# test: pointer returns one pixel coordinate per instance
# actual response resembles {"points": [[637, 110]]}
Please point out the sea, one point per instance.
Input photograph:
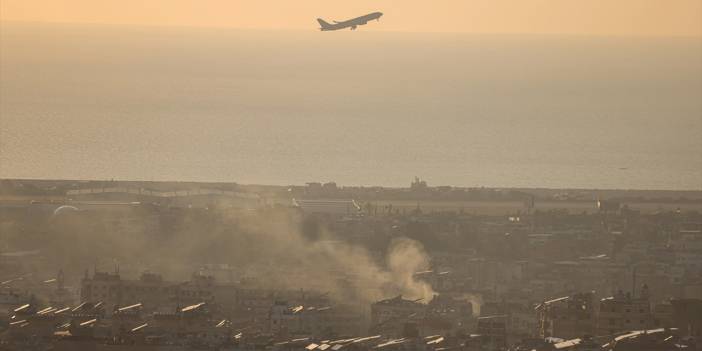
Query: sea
{"points": [[366, 108]]}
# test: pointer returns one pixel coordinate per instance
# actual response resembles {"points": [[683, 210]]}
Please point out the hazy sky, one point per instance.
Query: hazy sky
{"points": [[601, 17]]}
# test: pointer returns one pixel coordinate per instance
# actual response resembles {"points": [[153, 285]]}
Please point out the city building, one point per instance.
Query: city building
{"points": [[568, 317], [624, 312], [493, 330], [390, 316]]}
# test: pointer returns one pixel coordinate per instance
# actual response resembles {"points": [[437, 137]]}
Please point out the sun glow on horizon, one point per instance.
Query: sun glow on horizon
{"points": [[594, 17]]}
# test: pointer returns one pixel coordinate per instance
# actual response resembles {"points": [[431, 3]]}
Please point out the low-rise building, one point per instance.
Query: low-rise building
{"points": [[150, 290], [624, 312], [568, 317], [389, 316], [493, 330]]}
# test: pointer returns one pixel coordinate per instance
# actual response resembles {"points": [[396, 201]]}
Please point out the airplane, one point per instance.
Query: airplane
{"points": [[352, 23]]}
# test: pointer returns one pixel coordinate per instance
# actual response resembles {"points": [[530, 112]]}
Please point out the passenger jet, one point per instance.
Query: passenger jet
{"points": [[352, 23]]}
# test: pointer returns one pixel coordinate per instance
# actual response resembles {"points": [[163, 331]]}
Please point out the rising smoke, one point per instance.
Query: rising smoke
{"points": [[271, 246], [328, 263]]}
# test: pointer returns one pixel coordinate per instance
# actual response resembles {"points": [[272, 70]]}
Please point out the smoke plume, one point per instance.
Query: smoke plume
{"points": [[278, 248]]}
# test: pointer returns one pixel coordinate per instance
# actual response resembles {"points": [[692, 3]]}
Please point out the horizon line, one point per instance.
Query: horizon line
{"points": [[344, 186]]}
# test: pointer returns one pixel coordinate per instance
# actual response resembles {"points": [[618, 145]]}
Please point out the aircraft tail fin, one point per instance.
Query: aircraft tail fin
{"points": [[324, 24]]}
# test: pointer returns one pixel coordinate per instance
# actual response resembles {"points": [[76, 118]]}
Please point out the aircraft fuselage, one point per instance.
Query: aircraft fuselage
{"points": [[352, 23]]}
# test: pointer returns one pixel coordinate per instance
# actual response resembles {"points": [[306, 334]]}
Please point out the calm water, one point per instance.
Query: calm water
{"points": [[358, 108]]}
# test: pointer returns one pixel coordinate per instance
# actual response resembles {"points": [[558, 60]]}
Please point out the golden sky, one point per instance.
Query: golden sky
{"points": [[600, 17]]}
